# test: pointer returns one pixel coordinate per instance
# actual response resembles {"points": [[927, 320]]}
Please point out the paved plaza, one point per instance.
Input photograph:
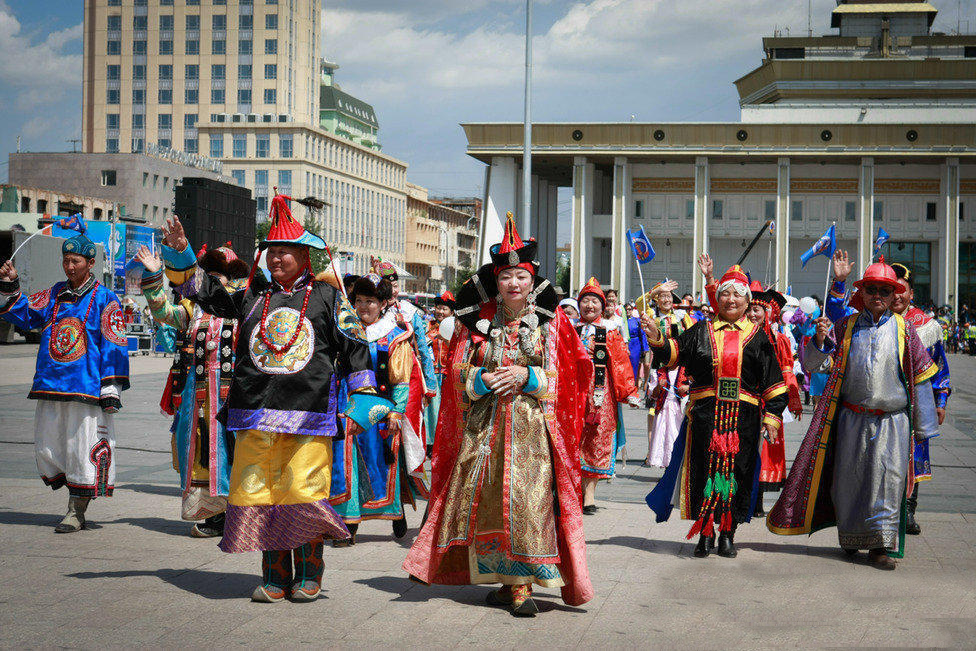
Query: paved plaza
{"points": [[135, 577]]}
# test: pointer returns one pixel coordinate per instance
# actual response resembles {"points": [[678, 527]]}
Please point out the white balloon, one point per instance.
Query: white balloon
{"points": [[792, 301], [808, 305], [447, 328]]}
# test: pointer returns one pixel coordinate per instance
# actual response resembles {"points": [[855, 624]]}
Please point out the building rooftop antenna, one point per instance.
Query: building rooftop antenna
{"points": [[74, 144]]}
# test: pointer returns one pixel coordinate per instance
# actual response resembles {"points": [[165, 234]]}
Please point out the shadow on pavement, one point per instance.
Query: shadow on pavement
{"points": [[203, 583], [404, 542], [152, 489], [668, 547], [159, 525], [38, 519], [829, 553], [409, 591]]}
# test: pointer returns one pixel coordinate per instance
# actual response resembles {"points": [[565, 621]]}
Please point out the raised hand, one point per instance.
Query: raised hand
{"points": [[7, 272], [173, 235], [842, 265], [707, 267], [649, 326], [669, 286], [151, 262]]}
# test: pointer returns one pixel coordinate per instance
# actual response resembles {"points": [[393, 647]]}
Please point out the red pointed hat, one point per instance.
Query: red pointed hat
{"points": [[879, 273], [447, 298], [285, 229], [512, 251], [592, 288], [735, 274]]}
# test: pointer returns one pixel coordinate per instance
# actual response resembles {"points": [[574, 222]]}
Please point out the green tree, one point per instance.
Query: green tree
{"points": [[460, 277]]}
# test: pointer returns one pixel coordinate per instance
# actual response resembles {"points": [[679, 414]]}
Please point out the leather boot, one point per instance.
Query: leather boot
{"points": [[400, 527], [74, 520], [351, 540], [911, 526], [309, 567], [275, 577], [704, 546], [726, 547], [522, 603]]}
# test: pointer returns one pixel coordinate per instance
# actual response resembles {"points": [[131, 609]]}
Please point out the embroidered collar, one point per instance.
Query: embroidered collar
{"points": [[867, 320], [68, 292], [303, 279], [381, 327], [722, 324]]}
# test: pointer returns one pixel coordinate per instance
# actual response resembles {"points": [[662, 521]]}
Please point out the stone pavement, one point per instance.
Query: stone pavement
{"points": [[137, 579]]}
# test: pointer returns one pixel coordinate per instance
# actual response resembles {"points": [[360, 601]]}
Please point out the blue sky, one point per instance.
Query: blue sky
{"points": [[427, 65]]}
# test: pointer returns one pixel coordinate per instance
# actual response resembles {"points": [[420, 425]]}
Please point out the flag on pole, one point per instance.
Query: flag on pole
{"points": [[74, 223], [880, 241], [825, 246], [640, 245]]}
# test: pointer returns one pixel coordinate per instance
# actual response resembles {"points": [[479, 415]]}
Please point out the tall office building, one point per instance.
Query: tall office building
{"points": [[238, 81], [155, 69]]}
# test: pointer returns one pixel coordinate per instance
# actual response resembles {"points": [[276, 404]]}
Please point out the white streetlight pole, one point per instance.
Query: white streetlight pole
{"points": [[527, 146]]}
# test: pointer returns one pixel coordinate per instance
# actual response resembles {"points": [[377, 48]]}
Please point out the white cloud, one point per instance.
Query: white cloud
{"points": [[38, 78]]}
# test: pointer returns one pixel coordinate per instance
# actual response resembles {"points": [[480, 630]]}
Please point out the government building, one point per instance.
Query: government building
{"points": [[874, 126]]}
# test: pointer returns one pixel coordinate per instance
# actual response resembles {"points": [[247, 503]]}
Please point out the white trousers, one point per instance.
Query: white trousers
{"points": [[75, 447]]}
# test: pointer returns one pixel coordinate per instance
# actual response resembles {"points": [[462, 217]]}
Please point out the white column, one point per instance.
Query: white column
{"points": [[619, 249], [700, 232], [865, 231], [949, 269], [502, 197], [582, 216], [782, 275]]}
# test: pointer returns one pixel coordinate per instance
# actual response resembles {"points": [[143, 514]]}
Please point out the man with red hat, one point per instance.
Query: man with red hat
{"points": [[737, 390], [198, 384], [297, 337], [613, 383], [929, 331], [854, 467], [438, 337]]}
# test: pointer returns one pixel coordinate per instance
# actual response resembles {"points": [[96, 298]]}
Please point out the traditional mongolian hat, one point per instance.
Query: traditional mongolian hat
{"points": [[879, 273], [770, 299], [592, 288], [79, 245], [477, 300], [384, 269], [659, 289], [222, 260], [285, 229], [447, 298], [735, 276]]}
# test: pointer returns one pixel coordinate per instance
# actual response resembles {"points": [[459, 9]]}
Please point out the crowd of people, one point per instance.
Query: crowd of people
{"points": [[304, 404]]}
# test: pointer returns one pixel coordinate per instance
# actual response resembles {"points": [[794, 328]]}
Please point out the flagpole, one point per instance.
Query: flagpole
{"points": [[827, 281], [24, 242], [527, 129]]}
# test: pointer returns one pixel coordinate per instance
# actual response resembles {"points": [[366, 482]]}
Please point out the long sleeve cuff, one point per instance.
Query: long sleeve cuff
{"points": [[838, 289], [772, 419], [475, 387], [180, 265], [10, 287], [367, 409], [538, 383], [152, 280], [941, 398]]}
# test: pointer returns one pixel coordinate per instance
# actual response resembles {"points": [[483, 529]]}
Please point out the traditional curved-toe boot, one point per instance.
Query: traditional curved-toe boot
{"points": [[400, 528], [704, 546], [309, 568], [500, 597], [522, 602], [726, 547], [351, 540], [911, 526], [275, 577], [879, 558], [74, 520], [212, 527]]}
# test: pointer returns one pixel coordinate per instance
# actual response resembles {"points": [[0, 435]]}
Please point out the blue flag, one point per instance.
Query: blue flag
{"points": [[878, 243], [824, 246], [640, 245], [74, 223]]}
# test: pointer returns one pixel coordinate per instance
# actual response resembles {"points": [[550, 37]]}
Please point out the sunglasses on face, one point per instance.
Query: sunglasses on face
{"points": [[878, 290]]}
